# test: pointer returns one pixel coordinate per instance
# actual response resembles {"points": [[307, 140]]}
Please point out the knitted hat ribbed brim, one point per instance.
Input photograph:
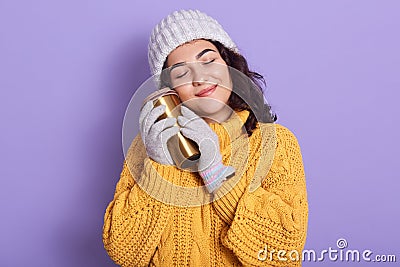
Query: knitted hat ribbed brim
{"points": [[181, 27]]}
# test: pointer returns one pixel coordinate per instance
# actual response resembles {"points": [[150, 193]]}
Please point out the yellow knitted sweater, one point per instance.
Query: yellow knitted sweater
{"points": [[264, 206]]}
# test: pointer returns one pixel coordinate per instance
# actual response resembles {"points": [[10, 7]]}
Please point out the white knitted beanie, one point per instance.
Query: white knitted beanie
{"points": [[181, 27]]}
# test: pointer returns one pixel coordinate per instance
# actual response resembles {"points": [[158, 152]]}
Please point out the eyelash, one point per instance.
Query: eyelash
{"points": [[210, 61], [180, 76]]}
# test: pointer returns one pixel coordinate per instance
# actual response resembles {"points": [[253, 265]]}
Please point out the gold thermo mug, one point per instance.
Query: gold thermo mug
{"points": [[183, 151]]}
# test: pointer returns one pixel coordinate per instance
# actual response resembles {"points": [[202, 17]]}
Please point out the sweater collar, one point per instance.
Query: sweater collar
{"points": [[232, 128]]}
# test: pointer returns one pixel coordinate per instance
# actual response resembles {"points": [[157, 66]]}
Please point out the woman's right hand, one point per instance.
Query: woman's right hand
{"points": [[155, 134]]}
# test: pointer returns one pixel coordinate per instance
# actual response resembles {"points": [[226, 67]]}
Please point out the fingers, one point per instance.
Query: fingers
{"points": [[186, 112], [205, 143], [144, 112], [150, 119], [156, 140], [182, 121], [190, 124], [191, 134], [161, 126], [168, 133], [189, 119]]}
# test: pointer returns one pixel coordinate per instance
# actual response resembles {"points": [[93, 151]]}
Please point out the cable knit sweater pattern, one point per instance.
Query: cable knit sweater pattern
{"points": [[248, 212]]}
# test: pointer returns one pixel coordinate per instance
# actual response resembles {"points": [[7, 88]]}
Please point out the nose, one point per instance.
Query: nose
{"points": [[198, 76], [198, 82]]}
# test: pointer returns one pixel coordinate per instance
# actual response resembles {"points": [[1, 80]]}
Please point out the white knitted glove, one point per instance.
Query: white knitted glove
{"points": [[156, 134], [210, 165]]}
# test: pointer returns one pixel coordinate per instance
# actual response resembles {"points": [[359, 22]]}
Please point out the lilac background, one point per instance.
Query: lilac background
{"points": [[69, 69]]}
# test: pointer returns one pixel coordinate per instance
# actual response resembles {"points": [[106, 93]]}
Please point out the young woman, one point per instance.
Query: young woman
{"points": [[246, 205]]}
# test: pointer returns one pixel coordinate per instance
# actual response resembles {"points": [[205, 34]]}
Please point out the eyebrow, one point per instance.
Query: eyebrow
{"points": [[199, 55], [203, 52]]}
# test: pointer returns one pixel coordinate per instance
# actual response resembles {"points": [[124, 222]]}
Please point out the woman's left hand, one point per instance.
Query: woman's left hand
{"points": [[210, 165]]}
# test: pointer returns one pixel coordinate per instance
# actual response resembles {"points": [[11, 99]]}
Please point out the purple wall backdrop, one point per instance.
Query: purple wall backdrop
{"points": [[69, 69]]}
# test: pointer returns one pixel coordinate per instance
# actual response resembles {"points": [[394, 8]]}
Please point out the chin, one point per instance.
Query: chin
{"points": [[208, 108]]}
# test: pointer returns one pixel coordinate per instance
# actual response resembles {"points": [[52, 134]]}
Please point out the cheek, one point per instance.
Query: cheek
{"points": [[221, 72], [184, 93], [226, 96], [224, 93]]}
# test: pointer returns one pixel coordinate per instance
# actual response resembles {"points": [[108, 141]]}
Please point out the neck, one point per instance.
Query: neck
{"points": [[221, 116]]}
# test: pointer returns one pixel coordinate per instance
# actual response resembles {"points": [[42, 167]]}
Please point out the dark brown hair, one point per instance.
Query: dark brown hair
{"points": [[247, 94]]}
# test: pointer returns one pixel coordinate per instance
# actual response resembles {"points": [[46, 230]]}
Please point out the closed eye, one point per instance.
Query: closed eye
{"points": [[181, 75], [208, 62]]}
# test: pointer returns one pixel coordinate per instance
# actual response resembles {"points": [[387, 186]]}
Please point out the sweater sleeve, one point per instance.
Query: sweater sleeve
{"points": [[134, 221], [273, 217]]}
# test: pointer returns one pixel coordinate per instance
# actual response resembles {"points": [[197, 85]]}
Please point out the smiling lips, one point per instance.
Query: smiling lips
{"points": [[208, 91]]}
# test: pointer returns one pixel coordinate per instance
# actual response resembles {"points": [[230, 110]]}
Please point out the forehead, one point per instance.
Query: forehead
{"points": [[187, 52]]}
